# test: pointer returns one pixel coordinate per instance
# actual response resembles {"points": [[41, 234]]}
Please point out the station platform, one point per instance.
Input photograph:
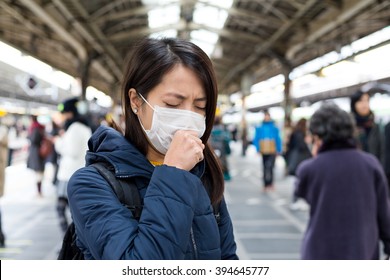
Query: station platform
{"points": [[264, 225]]}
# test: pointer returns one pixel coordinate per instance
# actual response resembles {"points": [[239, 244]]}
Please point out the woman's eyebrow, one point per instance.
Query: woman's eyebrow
{"points": [[201, 99], [181, 97], [176, 95]]}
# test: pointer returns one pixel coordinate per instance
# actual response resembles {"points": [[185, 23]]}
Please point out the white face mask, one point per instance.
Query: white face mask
{"points": [[166, 121]]}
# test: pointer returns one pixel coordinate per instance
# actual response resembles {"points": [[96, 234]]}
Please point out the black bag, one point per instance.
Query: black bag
{"points": [[295, 157], [128, 195]]}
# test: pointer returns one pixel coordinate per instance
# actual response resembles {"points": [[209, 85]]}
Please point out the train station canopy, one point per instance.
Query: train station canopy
{"points": [[243, 37]]}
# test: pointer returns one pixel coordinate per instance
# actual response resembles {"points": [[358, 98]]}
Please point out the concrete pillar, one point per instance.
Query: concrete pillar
{"points": [[287, 104], [246, 84], [84, 67], [84, 72]]}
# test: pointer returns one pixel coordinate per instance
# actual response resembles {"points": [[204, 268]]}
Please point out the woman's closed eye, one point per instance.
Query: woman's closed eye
{"points": [[171, 105], [202, 108]]}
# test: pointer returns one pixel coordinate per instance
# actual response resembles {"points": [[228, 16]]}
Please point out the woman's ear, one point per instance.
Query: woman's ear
{"points": [[135, 101]]}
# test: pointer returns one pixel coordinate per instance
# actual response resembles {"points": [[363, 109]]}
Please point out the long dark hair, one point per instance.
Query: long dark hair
{"points": [[357, 96], [150, 60], [301, 126]]}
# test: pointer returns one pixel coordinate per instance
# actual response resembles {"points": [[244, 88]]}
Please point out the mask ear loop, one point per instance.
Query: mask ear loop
{"points": [[145, 100], [140, 122]]}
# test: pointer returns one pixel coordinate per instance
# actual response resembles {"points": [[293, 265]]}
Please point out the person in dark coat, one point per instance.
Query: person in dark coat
{"points": [[35, 162], [347, 191], [54, 157], [386, 165], [369, 137], [297, 148], [169, 100]]}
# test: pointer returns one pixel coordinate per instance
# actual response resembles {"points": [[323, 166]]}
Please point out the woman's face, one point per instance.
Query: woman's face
{"points": [[179, 89], [362, 106]]}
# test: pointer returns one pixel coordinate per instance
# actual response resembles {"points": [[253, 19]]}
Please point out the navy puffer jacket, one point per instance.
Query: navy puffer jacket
{"points": [[177, 220]]}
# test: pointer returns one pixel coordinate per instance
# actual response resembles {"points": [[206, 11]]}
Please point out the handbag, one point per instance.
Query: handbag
{"points": [[46, 147], [295, 157]]}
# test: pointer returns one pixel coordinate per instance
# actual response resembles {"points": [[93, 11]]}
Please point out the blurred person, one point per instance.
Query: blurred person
{"points": [[3, 165], [54, 157], [369, 137], [169, 100], [232, 128], [71, 145], [268, 144], [220, 141], [297, 148], [347, 191], [35, 161], [12, 142], [244, 138], [287, 130], [387, 151]]}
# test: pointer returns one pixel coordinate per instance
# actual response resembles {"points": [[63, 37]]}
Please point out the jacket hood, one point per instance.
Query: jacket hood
{"points": [[108, 144]]}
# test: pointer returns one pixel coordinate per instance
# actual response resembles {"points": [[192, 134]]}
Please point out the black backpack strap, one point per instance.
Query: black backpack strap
{"points": [[126, 190]]}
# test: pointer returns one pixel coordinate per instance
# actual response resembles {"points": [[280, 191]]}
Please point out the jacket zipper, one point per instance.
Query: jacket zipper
{"points": [[194, 247]]}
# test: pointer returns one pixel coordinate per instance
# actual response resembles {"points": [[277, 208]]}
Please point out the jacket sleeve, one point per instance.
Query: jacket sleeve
{"points": [[171, 199], [228, 245], [301, 183], [278, 140], [257, 138]]}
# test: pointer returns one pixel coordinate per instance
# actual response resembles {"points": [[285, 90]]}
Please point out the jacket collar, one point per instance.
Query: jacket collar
{"points": [[337, 145]]}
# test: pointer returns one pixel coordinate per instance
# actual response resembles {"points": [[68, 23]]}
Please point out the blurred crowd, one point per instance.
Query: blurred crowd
{"points": [[341, 162]]}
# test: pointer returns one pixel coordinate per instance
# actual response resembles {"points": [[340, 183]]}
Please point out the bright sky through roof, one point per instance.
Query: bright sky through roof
{"points": [[34, 66], [211, 14], [346, 51], [47, 73], [164, 16], [336, 72], [372, 62]]}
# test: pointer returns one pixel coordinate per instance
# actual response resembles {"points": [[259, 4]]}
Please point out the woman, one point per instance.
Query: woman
{"points": [[35, 161], [71, 145], [169, 98], [369, 137], [297, 148], [347, 192]]}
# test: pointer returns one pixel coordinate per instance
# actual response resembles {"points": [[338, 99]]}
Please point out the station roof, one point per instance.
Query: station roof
{"points": [[261, 38]]}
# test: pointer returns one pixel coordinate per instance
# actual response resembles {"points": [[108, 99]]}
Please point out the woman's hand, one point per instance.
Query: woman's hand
{"points": [[185, 151]]}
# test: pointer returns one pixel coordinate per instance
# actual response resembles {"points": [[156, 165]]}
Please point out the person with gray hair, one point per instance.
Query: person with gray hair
{"points": [[347, 191]]}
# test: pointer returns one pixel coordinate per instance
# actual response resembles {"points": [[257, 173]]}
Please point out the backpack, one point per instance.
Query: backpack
{"points": [[128, 195]]}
